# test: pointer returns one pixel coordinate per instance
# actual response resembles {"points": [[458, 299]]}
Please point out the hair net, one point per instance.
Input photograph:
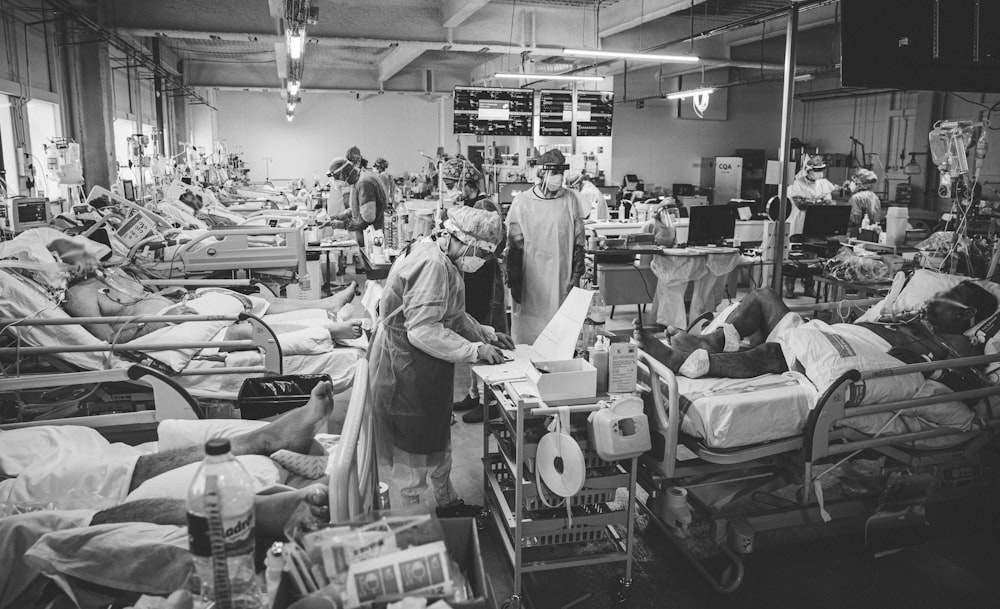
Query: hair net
{"points": [[340, 167], [354, 154], [865, 176], [480, 227], [460, 170], [815, 162]]}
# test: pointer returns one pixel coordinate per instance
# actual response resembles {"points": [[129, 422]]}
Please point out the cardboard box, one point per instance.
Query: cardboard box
{"points": [[462, 541], [563, 379]]}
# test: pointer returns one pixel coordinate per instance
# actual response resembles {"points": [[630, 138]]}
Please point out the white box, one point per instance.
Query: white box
{"points": [[567, 379]]}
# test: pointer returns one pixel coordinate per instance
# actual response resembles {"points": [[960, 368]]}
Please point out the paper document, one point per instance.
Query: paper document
{"points": [[558, 340]]}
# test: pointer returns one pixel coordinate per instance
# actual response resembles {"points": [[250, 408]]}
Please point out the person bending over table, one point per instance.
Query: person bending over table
{"points": [[936, 334], [97, 292]]}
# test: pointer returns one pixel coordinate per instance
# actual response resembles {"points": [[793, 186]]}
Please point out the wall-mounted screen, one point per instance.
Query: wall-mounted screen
{"points": [[493, 111], [594, 111]]}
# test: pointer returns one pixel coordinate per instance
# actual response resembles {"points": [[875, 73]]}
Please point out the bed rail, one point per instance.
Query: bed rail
{"points": [[353, 473], [263, 339], [653, 375]]}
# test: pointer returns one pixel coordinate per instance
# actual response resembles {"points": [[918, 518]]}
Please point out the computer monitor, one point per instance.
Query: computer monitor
{"points": [[22, 213], [824, 221], [510, 190], [711, 224]]}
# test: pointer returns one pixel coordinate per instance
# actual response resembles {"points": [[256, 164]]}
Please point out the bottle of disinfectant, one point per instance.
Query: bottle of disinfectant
{"points": [[220, 517]]}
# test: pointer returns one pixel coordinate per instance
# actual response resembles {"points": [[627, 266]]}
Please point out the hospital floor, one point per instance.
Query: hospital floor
{"points": [[956, 568]]}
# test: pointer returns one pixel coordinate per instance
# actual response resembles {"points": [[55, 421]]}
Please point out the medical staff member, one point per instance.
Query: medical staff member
{"points": [[545, 240], [423, 331], [484, 289], [863, 201], [368, 199], [338, 202], [809, 188], [595, 206], [388, 182]]}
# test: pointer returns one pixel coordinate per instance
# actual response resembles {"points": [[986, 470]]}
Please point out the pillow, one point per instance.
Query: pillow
{"points": [[135, 557], [826, 354], [175, 483]]}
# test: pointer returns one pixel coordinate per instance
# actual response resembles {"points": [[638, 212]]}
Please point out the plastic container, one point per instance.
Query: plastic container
{"points": [[222, 485], [896, 221], [599, 359]]}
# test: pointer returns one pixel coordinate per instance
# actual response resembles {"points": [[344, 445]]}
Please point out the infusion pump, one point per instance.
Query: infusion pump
{"points": [[21, 213]]}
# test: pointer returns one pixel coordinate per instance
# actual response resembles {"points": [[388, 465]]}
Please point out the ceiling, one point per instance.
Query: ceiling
{"points": [[417, 45]]}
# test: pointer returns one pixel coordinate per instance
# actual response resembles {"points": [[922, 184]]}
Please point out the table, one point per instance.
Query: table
{"points": [[339, 246], [831, 289], [374, 271]]}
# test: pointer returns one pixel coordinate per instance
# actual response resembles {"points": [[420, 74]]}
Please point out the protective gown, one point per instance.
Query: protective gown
{"points": [[423, 331], [803, 187], [545, 238]]}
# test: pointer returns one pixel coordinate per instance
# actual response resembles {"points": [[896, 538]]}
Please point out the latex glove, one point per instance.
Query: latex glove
{"points": [[502, 341], [489, 354]]}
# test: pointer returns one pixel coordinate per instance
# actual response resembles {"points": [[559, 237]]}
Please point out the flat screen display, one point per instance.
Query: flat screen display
{"points": [[493, 111]]}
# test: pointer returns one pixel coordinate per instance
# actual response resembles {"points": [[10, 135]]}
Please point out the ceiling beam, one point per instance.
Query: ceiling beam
{"points": [[398, 58], [497, 47], [624, 16], [455, 12]]}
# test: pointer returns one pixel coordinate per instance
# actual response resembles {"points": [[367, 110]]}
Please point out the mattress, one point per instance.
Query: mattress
{"points": [[731, 413]]}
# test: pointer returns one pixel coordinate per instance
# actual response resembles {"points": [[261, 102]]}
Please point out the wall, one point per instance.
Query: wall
{"points": [[392, 126], [662, 149]]}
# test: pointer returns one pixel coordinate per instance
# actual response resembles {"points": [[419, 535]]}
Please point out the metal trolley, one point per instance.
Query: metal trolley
{"points": [[524, 521]]}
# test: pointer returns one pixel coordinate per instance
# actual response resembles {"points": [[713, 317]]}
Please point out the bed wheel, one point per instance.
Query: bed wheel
{"points": [[483, 518], [623, 591], [514, 602]]}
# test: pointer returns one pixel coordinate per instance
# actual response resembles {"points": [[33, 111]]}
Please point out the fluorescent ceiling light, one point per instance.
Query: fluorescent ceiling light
{"points": [[296, 43], [804, 77], [691, 93], [549, 77], [639, 56], [293, 88]]}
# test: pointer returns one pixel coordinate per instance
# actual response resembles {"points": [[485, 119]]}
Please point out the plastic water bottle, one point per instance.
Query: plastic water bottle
{"points": [[866, 223], [220, 517]]}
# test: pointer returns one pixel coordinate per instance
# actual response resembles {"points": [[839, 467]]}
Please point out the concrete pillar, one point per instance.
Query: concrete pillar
{"points": [[87, 86]]}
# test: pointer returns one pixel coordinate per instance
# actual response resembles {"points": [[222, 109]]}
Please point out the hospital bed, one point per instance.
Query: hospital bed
{"points": [[138, 558], [267, 243], [765, 454]]}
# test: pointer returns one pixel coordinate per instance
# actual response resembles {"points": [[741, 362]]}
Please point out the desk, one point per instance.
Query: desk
{"points": [[831, 289], [610, 227], [664, 283], [338, 246]]}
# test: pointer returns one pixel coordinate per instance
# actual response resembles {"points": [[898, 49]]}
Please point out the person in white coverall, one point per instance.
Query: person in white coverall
{"points": [[594, 206], [809, 188], [423, 331], [545, 255]]}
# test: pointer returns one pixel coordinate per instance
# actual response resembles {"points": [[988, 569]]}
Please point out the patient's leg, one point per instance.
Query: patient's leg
{"points": [[293, 431], [333, 303], [271, 512], [761, 311], [338, 330], [764, 359]]}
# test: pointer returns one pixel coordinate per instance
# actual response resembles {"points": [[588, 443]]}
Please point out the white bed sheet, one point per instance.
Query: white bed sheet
{"points": [[730, 413]]}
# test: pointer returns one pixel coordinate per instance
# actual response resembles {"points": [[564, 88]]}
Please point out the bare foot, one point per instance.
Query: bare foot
{"points": [[273, 511], [296, 429], [672, 358], [337, 301], [345, 330]]}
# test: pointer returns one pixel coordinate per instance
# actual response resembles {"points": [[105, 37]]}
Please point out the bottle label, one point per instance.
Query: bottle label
{"points": [[237, 532]]}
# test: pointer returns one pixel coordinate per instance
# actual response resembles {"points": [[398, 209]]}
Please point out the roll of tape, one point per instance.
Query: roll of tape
{"points": [[560, 465]]}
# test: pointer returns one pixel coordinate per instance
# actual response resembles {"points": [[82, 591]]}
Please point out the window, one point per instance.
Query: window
{"points": [[43, 125]]}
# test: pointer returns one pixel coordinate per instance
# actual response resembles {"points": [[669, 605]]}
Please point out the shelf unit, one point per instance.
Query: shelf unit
{"points": [[525, 523]]}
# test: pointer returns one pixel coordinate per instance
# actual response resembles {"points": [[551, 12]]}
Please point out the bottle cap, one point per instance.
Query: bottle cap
{"points": [[217, 446]]}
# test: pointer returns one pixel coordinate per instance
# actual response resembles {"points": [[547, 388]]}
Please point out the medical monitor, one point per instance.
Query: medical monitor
{"points": [[711, 224], [128, 189], [510, 190], [825, 221], [22, 213]]}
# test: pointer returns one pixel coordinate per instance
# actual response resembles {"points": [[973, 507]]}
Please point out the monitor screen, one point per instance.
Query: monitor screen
{"points": [[824, 221], [511, 189], [493, 111], [128, 190], [711, 224], [32, 212]]}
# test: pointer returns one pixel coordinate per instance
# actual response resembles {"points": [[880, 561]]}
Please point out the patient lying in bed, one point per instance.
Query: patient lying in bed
{"points": [[935, 334], [19, 581], [94, 292]]}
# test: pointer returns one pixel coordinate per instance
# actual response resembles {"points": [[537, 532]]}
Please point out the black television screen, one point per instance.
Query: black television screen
{"points": [[921, 44], [711, 224], [493, 111]]}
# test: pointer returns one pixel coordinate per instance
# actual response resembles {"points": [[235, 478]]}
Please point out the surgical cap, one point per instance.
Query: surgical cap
{"points": [[865, 176], [553, 159], [815, 162], [354, 154], [340, 167], [381, 164], [480, 227], [460, 170]]}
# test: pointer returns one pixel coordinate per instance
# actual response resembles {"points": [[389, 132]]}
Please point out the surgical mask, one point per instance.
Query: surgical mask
{"points": [[452, 195], [553, 182], [853, 187], [814, 175], [470, 264]]}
